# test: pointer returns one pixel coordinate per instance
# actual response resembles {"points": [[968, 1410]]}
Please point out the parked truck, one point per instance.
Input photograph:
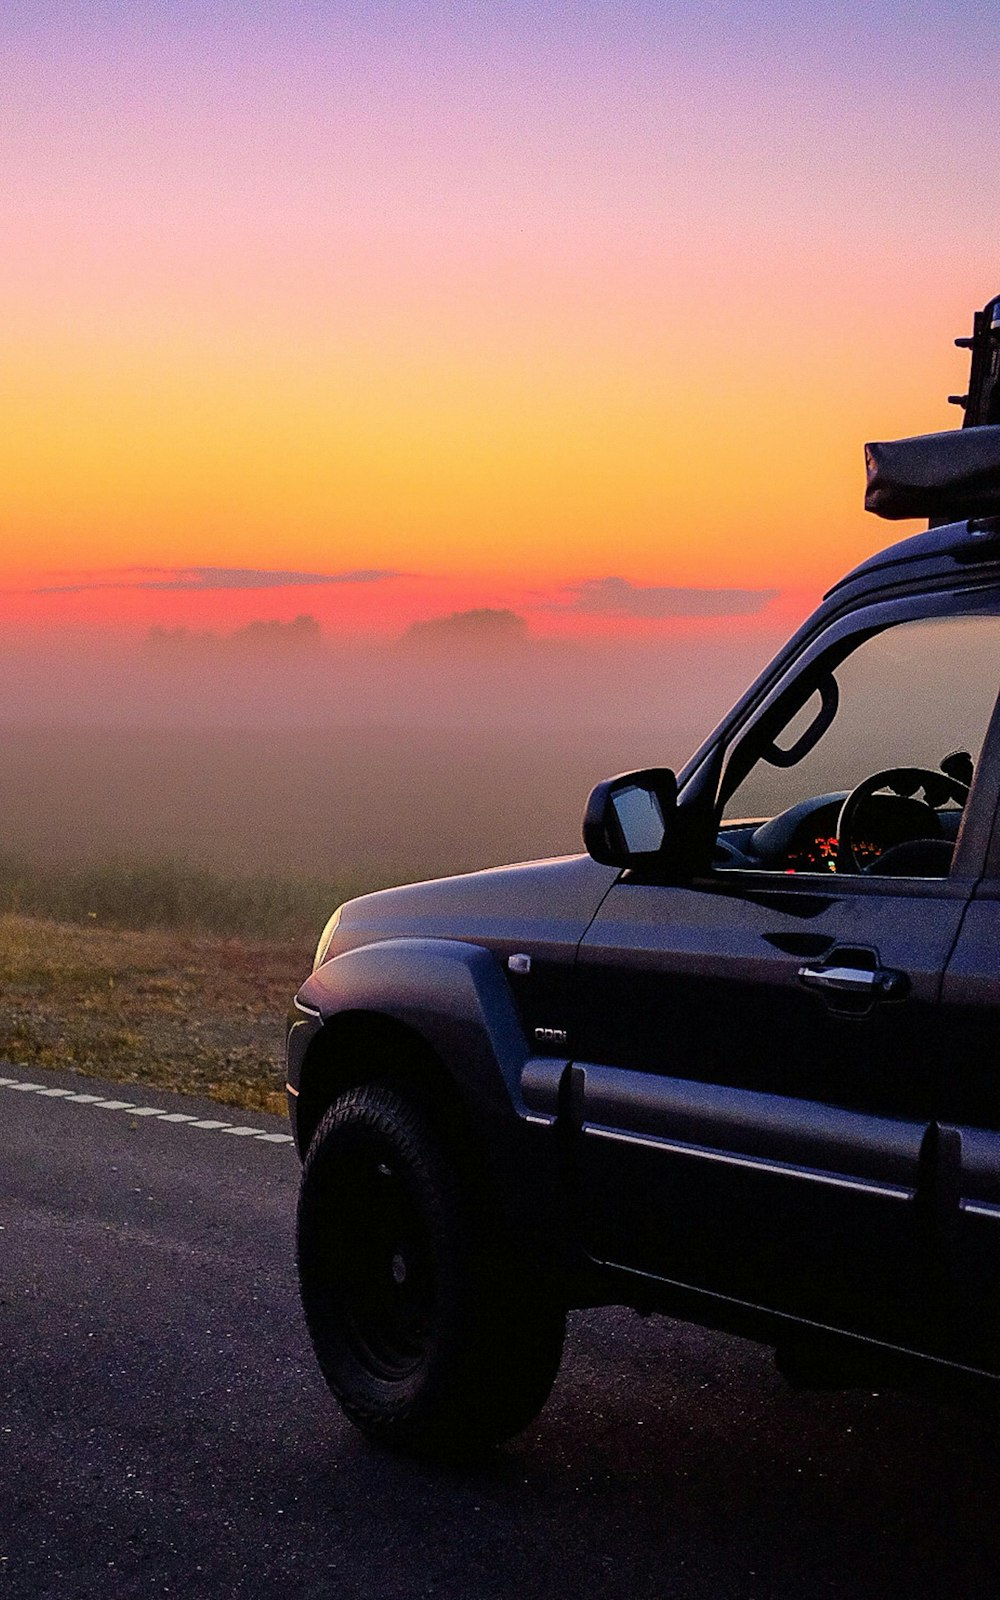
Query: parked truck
{"points": [[738, 1063]]}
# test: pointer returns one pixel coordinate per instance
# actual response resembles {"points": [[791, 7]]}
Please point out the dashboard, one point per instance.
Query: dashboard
{"points": [[804, 838]]}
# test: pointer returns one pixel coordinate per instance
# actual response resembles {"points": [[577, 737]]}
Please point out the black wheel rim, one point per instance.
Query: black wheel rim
{"points": [[379, 1262]]}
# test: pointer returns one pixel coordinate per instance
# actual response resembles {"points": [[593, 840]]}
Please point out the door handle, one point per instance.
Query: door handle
{"points": [[871, 984]]}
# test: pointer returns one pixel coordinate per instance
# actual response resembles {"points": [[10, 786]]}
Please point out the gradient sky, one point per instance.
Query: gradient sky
{"points": [[424, 306]]}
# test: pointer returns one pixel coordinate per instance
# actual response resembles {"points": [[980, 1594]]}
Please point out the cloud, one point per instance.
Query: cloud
{"points": [[199, 579], [617, 597]]}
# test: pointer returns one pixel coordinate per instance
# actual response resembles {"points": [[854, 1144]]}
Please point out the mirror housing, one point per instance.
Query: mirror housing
{"points": [[630, 820]]}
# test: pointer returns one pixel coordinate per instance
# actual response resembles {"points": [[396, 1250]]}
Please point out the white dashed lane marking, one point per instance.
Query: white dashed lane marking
{"points": [[209, 1124]]}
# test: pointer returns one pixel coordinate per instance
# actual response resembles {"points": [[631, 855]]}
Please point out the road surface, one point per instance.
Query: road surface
{"points": [[165, 1431]]}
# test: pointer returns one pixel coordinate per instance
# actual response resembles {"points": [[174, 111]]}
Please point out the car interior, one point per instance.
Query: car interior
{"points": [[878, 720]]}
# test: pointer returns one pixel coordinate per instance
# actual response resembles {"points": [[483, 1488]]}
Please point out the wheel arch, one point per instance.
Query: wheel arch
{"points": [[356, 1046], [435, 1015]]}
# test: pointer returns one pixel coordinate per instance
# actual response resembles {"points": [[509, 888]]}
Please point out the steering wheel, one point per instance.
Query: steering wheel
{"points": [[939, 787]]}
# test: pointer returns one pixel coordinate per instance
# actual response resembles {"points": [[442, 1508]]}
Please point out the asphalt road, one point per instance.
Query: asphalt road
{"points": [[164, 1431]]}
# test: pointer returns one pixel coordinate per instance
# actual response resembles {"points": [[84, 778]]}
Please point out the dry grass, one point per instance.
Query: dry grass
{"points": [[187, 1011], [173, 893]]}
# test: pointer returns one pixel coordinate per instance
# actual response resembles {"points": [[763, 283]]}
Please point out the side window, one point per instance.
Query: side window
{"points": [[914, 703]]}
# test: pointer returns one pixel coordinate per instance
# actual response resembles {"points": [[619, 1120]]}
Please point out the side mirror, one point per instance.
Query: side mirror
{"points": [[629, 820]]}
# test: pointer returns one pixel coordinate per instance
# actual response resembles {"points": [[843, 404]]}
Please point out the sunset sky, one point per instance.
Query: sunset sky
{"points": [[382, 311]]}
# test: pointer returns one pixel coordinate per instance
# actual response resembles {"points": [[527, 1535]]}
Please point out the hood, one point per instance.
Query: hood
{"points": [[535, 903]]}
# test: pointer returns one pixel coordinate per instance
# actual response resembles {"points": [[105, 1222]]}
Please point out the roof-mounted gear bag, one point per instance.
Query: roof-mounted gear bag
{"points": [[944, 476], [948, 476]]}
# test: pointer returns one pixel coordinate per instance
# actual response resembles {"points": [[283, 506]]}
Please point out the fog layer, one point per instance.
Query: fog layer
{"points": [[271, 747]]}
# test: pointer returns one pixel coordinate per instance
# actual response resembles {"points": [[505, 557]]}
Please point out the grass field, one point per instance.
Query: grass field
{"points": [[175, 894], [189, 1011], [161, 893], [157, 972]]}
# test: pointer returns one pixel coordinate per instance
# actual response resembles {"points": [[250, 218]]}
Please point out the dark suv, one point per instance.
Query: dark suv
{"points": [[739, 1063]]}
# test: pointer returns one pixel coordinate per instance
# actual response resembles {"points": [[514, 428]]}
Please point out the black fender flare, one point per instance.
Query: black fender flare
{"points": [[451, 996]]}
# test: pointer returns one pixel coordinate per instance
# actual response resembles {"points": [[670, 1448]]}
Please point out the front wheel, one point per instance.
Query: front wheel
{"points": [[424, 1332]]}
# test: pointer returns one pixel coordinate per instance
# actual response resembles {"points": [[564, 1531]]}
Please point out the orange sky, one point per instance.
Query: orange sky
{"points": [[501, 312]]}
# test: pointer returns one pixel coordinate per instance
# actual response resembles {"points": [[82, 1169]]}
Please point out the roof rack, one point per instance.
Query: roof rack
{"points": [[949, 476], [982, 403]]}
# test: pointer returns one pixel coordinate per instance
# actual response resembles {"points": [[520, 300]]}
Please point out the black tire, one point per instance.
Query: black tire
{"points": [[424, 1330]]}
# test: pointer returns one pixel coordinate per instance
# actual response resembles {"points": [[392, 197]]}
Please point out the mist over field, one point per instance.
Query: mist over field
{"points": [[464, 743], [450, 672]]}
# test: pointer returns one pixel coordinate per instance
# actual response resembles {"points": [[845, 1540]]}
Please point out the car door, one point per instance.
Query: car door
{"points": [[962, 1230], [759, 1059]]}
